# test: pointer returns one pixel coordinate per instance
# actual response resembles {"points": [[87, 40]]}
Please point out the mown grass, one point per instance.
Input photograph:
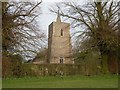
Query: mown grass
{"points": [[77, 81]]}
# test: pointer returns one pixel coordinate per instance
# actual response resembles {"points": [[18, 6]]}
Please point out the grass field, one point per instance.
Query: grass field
{"points": [[101, 81]]}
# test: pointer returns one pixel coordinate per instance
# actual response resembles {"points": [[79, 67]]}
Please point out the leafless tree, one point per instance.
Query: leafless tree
{"points": [[99, 21], [20, 31]]}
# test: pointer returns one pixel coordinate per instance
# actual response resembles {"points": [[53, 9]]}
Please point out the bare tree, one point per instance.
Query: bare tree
{"points": [[99, 21], [20, 33]]}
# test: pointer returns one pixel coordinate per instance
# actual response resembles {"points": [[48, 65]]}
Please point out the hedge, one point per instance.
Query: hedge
{"points": [[30, 70], [56, 69]]}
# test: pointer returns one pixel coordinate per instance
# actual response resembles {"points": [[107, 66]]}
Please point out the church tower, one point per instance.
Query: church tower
{"points": [[59, 43]]}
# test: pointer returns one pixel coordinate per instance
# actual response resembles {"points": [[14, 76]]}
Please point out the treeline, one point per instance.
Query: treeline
{"points": [[21, 37]]}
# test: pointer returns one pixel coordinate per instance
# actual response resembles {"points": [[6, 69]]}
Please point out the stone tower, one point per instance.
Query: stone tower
{"points": [[59, 43]]}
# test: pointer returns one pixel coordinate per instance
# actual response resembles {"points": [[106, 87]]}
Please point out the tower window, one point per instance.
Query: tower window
{"points": [[61, 59], [61, 32]]}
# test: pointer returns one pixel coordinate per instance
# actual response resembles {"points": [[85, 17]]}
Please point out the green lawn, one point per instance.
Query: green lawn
{"points": [[101, 81]]}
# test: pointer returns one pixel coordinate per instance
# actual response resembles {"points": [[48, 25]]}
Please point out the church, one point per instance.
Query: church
{"points": [[59, 43]]}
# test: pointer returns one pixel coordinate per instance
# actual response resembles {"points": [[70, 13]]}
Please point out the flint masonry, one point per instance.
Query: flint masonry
{"points": [[59, 43]]}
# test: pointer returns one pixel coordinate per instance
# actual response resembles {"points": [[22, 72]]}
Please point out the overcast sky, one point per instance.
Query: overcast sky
{"points": [[46, 18]]}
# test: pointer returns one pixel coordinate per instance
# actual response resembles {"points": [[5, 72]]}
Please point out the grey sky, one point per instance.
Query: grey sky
{"points": [[47, 17]]}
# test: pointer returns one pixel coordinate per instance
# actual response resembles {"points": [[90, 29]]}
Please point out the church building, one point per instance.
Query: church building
{"points": [[59, 43]]}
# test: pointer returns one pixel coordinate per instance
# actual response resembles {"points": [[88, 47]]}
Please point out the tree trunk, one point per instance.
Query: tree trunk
{"points": [[105, 69], [113, 63]]}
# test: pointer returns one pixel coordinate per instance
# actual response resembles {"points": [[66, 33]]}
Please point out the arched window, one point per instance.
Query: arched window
{"points": [[61, 32], [61, 60]]}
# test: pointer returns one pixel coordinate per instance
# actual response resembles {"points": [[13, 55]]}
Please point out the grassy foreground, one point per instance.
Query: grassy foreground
{"points": [[101, 81]]}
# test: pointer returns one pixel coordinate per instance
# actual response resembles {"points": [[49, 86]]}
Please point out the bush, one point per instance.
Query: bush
{"points": [[11, 65]]}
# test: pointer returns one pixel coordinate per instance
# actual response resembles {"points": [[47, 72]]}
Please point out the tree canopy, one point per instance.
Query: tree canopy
{"points": [[20, 31], [99, 22]]}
